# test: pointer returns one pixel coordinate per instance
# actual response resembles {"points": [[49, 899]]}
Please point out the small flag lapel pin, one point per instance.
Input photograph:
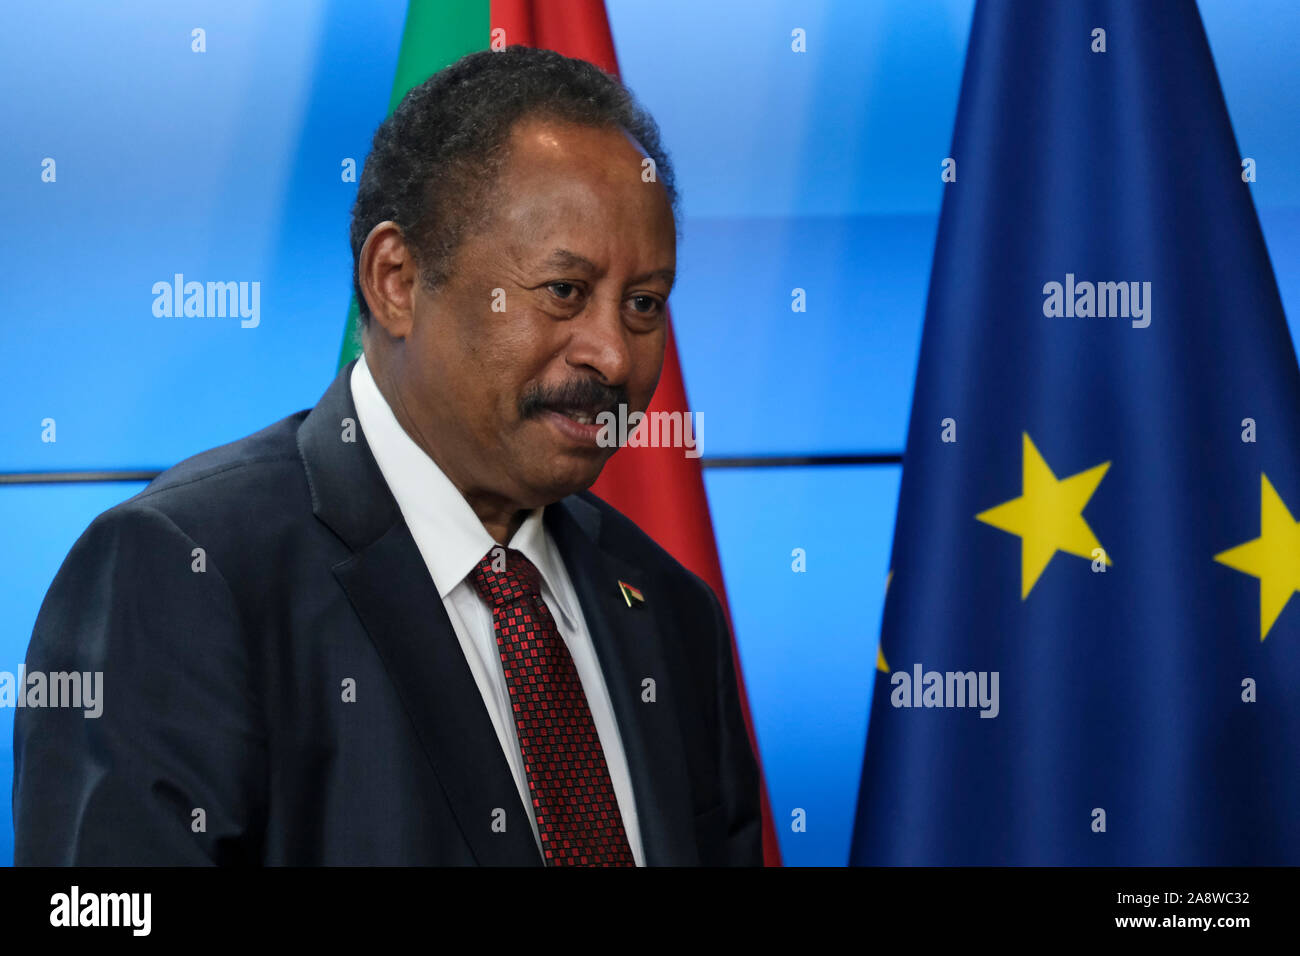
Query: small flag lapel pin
{"points": [[631, 595]]}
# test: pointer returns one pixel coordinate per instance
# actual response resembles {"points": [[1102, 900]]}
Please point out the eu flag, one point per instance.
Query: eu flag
{"points": [[1090, 653]]}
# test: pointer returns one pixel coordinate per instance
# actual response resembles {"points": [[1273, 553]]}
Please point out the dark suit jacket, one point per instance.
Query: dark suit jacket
{"points": [[223, 688]]}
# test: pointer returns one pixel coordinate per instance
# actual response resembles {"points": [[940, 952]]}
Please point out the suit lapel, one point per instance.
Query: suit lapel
{"points": [[630, 649], [389, 586]]}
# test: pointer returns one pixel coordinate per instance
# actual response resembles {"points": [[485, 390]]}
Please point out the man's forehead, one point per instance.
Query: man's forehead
{"points": [[567, 259], [553, 137], [549, 232], [566, 195], [546, 157], [536, 192]]}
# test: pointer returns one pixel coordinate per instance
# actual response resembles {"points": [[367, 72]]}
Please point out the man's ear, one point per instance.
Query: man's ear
{"points": [[387, 273]]}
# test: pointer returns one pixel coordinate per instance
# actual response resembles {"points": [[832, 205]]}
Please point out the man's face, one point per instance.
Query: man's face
{"points": [[554, 311]]}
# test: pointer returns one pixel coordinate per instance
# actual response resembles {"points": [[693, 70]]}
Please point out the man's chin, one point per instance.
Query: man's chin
{"points": [[570, 475], [552, 465]]}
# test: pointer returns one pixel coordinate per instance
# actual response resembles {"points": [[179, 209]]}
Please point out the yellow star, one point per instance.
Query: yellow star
{"points": [[1048, 515], [1273, 557], [880, 652]]}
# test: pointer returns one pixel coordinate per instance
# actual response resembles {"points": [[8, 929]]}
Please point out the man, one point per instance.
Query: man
{"points": [[397, 629]]}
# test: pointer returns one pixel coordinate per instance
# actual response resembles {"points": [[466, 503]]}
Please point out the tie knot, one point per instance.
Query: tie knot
{"points": [[504, 576]]}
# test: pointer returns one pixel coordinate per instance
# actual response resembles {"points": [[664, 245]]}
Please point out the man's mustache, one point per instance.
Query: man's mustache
{"points": [[582, 394]]}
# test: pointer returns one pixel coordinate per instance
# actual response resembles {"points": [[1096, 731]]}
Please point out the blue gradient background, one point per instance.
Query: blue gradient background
{"points": [[817, 171]]}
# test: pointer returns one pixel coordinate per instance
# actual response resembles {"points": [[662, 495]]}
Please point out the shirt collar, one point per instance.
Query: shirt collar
{"points": [[536, 545], [449, 534]]}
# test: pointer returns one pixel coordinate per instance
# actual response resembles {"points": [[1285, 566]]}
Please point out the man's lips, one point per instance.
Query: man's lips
{"points": [[579, 432]]}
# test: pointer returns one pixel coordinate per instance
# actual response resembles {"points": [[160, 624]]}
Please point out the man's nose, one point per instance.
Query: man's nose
{"points": [[600, 342]]}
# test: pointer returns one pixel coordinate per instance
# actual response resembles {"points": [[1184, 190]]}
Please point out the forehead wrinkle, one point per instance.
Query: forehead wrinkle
{"points": [[566, 259]]}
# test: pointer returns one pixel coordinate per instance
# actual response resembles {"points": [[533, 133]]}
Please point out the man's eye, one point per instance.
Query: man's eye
{"points": [[563, 290], [645, 304]]}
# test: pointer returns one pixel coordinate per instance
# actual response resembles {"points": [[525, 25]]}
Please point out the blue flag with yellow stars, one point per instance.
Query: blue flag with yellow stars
{"points": [[1090, 652]]}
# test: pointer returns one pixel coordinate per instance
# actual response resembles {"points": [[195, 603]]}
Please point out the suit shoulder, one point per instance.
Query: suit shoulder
{"points": [[228, 499], [242, 471], [235, 500]]}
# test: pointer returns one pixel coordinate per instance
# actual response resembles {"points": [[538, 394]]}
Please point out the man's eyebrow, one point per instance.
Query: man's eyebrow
{"points": [[566, 259], [669, 275]]}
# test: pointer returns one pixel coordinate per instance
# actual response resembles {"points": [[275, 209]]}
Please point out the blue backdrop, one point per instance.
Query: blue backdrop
{"points": [[817, 171]]}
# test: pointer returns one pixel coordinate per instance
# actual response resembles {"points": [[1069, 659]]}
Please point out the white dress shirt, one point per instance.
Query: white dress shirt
{"points": [[452, 541]]}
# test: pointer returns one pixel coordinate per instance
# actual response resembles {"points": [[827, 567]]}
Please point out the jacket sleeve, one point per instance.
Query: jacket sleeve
{"points": [[166, 765], [739, 774]]}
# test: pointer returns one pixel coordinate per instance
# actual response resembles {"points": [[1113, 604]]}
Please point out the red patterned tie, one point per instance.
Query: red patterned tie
{"points": [[573, 797]]}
